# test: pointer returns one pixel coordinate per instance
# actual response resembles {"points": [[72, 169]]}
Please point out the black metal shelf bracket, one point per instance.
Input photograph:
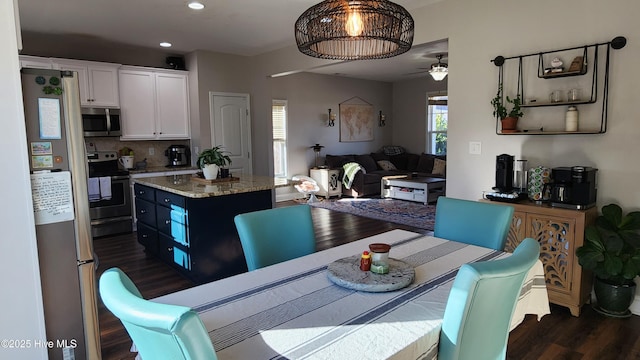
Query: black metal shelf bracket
{"points": [[616, 43]]}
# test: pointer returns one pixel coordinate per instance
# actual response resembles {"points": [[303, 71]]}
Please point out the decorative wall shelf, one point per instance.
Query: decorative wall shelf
{"points": [[583, 69]]}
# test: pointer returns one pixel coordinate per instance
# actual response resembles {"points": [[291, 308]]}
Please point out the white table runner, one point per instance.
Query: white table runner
{"points": [[292, 310]]}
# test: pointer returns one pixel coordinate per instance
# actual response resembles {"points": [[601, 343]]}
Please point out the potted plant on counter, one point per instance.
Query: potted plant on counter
{"points": [[210, 161], [508, 118], [612, 252]]}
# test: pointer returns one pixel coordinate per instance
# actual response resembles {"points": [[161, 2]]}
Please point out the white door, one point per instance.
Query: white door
{"points": [[231, 129]]}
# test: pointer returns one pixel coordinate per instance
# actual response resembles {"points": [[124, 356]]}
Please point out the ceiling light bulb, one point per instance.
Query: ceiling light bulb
{"points": [[165, 44], [196, 5], [354, 24]]}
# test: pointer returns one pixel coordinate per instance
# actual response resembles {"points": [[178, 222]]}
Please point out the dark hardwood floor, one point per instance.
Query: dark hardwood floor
{"points": [[557, 336]]}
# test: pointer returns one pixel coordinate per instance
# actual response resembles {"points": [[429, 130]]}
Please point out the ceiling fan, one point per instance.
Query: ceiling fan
{"points": [[437, 70]]}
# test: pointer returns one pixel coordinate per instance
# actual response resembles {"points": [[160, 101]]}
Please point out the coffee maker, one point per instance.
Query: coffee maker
{"points": [[178, 155], [504, 173], [573, 187]]}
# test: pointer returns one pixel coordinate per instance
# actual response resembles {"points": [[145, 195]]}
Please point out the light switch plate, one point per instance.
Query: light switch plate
{"points": [[475, 147]]}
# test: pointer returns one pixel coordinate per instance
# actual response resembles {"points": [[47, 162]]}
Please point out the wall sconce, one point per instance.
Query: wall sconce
{"points": [[382, 119], [332, 118]]}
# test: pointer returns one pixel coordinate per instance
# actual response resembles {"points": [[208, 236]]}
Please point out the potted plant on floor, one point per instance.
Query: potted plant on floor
{"points": [[612, 252], [508, 118], [210, 161]]}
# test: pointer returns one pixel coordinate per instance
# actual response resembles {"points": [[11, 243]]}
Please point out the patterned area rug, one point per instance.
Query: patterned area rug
{"points": [[396, 211]]}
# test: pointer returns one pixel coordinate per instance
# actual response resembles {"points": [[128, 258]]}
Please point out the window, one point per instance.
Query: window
{"points": [[437, 118], [279, 118]]}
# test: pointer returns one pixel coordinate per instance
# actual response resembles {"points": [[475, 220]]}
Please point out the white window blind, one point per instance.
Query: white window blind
{"points": [[279, 119]]}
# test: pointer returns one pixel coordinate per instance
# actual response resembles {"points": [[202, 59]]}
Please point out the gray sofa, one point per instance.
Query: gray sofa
{"points": [[368, 183]]}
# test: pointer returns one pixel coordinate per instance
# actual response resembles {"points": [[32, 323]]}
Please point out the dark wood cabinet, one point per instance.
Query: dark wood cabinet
{"points": [[195, 236]]}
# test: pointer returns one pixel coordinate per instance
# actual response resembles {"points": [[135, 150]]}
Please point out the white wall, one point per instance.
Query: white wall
{"points": [[480, 30], [21, 300]]}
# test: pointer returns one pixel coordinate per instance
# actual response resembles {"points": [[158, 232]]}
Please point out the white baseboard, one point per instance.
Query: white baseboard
{"points": [[287, 197], [635, 306]]}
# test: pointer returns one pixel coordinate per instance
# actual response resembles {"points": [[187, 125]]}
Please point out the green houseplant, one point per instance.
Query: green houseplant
{"points": [[211, 160], [509, 118], [612, 252]]}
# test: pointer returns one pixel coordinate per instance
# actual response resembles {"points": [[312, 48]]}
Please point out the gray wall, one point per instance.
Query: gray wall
{"points": [[83, 47], [309, 98], [410, 111]]}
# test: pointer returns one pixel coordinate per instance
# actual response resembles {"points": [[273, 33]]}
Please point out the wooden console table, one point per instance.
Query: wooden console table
{"points": [[560, 232]]}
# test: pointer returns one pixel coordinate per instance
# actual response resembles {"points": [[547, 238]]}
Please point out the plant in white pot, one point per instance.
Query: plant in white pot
{"points": [[210, 161], [612, 252]]}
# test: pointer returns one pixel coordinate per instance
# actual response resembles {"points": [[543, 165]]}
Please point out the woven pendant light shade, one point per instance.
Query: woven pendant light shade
{"points": [[354, 30]]}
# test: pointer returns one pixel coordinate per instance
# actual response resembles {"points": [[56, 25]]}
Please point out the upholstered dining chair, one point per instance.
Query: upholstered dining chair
{"points": [[473, 222], [481, 303], [275, 235], [158, 331]]}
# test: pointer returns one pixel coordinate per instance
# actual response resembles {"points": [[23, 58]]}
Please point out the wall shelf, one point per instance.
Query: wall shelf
{"points": [[582, 63]]}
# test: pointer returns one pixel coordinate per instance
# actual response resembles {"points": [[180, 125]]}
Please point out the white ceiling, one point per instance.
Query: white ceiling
{"points": [[241, 27]]}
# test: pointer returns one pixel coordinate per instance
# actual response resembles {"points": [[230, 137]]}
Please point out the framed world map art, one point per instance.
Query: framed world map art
{"points": [[356, 121]]}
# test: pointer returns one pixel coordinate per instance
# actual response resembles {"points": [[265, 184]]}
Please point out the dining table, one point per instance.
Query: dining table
{"points": [[294, 310]]}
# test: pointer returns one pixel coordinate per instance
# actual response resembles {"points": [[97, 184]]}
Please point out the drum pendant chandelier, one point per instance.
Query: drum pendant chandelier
{"points": [[354, 30]]}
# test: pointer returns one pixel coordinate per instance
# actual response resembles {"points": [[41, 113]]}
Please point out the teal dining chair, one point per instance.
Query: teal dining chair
{"points": [[481, 303], [473, 222], [159, 331], [275, 235]]}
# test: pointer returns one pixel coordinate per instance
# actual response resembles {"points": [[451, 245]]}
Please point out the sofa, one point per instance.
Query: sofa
{"points": [[388, 161]]}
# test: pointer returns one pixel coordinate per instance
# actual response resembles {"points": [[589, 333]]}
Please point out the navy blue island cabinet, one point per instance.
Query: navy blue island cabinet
{"points": [[192, 233]]}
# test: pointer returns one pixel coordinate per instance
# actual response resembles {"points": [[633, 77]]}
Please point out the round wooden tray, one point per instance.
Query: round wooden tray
{"points": [[346, 272]]}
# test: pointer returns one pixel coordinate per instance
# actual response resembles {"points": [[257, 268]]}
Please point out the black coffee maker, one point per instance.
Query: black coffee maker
{"points": [[504, 173], [178, 155], [573, 187]]}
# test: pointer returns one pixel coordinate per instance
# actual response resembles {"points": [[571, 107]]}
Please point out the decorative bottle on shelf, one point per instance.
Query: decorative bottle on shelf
{"points": [[571, 119]]}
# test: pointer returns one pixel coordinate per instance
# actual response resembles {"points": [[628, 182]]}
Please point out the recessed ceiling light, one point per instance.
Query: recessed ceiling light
{"points": [[165, 44], [196, 5]]}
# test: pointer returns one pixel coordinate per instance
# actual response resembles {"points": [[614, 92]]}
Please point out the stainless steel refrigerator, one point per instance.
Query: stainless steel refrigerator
{"points": [[58, 165]]}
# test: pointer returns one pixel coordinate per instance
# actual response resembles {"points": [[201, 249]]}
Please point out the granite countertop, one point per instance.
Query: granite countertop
{"points": [[161, 168], [184, 185]]}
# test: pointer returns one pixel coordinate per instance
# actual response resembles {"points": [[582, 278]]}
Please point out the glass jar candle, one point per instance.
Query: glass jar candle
{"points": [[379, 257]]}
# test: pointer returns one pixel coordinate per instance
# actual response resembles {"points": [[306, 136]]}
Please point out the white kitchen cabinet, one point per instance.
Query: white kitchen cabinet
{"points": [[35, 62], [154, 104], [98, 81]]}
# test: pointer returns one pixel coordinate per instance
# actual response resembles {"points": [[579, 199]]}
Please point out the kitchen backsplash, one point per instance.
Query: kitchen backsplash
{"points": [[141, 149]]}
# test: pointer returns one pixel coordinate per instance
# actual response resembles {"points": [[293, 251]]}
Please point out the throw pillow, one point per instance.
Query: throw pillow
{"points": [[386, 165], [366, 161], [392, 150], [439, 167], [425, 163]]}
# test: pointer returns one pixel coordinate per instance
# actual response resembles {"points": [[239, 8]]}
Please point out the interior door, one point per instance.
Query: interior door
{"points": [[231, 129]]}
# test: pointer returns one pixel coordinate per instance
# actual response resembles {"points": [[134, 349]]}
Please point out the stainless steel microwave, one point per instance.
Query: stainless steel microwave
{"points": [[101, 122]]}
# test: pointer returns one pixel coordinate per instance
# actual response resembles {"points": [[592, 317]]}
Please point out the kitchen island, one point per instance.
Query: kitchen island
{"points": [[189, 225]]}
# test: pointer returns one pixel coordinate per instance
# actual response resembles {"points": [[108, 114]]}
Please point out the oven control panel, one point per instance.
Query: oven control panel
{"points": [[102, 156]]}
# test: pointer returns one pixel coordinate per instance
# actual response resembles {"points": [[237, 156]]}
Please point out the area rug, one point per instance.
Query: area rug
{"points": [[396, 211]]}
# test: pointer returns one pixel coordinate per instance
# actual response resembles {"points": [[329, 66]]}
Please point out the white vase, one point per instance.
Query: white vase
{"points": [[210, 171]]}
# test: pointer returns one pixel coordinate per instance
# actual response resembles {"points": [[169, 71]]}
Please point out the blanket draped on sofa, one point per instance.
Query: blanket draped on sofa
{"points": [[350, 170]]}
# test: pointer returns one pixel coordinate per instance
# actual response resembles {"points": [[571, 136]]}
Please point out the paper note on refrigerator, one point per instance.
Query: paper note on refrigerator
{"points": [[52, 197]]}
